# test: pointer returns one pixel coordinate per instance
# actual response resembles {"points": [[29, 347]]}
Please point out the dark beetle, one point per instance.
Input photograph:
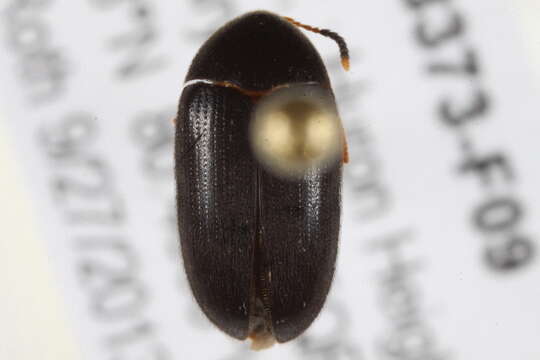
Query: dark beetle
{"points": [[259, 206]]}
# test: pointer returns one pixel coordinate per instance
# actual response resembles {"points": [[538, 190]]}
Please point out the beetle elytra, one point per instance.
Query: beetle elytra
{"points": [[259, 149]]}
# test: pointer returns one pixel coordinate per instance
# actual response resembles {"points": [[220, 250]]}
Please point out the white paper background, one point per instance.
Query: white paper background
{"points": [[412, 280]]}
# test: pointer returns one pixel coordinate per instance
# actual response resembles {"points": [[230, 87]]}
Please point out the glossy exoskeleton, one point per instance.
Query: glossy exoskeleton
{"points": [[259, 247]]}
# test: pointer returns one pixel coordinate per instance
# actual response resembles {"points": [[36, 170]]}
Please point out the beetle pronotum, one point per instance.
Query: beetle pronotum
{"points": [[259, 150]]}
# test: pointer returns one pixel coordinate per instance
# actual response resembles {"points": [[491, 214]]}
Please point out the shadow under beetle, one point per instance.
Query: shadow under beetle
{"points": [[259, 149]]}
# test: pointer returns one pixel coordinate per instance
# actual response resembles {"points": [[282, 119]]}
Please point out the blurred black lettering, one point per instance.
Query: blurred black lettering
{"points": [[468, 66], [138, 44], [419, 4], [409, 334], [431, 38], [510, 255], [91, 208], [485, 167], [83, 183], [500, 214], [457, 116], [109, 269], [40, 65], [153, 132]]}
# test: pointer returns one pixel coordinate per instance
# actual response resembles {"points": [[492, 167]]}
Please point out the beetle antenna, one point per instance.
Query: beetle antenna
{"points": [[343, 49]]}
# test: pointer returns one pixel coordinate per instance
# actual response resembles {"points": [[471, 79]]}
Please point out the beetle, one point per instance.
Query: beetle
{"points": [[259, 149]]}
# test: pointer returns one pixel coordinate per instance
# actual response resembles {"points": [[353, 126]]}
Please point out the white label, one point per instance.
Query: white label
{"points": [[438, 254]]}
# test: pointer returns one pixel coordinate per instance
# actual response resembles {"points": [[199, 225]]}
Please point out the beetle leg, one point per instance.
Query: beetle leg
{"points": [[345, 158]]}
